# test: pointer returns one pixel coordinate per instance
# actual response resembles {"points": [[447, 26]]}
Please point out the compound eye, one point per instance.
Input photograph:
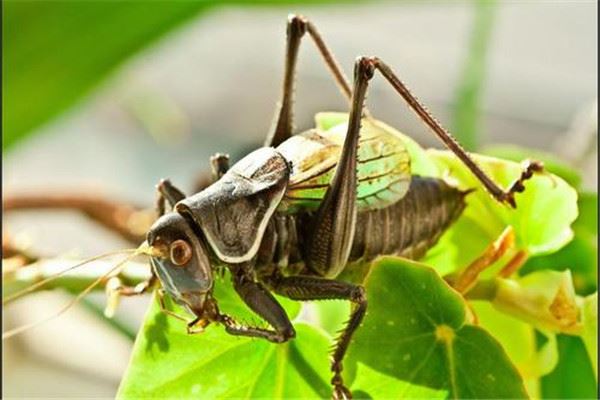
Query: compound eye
{"points": [[180, 252]]}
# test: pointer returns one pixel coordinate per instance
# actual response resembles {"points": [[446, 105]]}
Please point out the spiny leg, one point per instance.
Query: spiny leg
{"points": [[498, 193], [329, 242], [282, 128], [313, 288], [262, 302], [297, 26]]}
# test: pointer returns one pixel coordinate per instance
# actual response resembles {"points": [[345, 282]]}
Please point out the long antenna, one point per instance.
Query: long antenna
{"points": [[41, 283], [74, 301]]}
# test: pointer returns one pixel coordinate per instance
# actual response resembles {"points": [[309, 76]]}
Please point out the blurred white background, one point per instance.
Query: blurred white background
{"points": [[212, 86]]}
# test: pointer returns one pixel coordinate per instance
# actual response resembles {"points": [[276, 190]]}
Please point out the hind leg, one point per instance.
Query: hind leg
{"points": [[297, 26], [330, 240]]}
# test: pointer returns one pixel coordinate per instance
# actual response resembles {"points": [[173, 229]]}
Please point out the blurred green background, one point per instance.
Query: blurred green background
{"points": [[112, 96]]}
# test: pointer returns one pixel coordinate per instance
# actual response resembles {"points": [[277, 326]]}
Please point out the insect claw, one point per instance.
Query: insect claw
{"points": [[197, 326], [192, 331], [529, 168], [510, 199]]}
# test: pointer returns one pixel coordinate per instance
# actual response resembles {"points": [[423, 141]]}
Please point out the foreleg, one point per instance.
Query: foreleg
{"points": [[262, 302]]}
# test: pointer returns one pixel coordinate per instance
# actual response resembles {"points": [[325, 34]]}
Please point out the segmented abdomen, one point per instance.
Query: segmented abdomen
{"points": [[410, 226], [407, 228]]}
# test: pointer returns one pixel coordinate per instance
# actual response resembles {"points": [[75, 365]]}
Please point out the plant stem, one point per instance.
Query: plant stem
{"points": [[128, 220], [468, 95], [483, 290]]}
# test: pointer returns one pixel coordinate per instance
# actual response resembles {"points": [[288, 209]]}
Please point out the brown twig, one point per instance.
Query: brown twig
{"points": [[129, 221]]}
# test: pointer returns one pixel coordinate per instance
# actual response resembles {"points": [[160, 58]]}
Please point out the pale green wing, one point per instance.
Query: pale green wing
{"points": [[383, 164]]}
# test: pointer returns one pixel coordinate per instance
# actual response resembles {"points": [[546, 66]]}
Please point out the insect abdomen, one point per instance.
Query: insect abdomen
{"points": [[410, 226]]}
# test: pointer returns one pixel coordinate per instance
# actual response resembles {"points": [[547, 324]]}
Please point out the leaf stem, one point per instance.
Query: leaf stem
{"points": [[483, 290]]}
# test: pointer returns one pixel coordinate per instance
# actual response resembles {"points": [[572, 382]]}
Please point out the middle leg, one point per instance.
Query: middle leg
{"points": [[262, 302]]}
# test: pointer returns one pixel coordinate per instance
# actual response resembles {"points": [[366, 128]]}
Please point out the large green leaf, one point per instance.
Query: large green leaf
{"points": [[573, 377], [167, 362], [374, 385], [416, 331], [55, 51], [590, 329], [518, 340], [216, 365]]}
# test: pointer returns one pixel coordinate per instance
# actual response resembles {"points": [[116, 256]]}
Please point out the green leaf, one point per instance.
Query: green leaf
{"points": [[551, 162], [416, 331], [541, 220], [375, 385], [331, 315], [167, 362], [56, 51], [588, 211], [590, 329], [573, 377], [518, 340]]}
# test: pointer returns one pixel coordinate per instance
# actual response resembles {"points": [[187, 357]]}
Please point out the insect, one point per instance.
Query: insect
{"points": [[291, 216]]}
